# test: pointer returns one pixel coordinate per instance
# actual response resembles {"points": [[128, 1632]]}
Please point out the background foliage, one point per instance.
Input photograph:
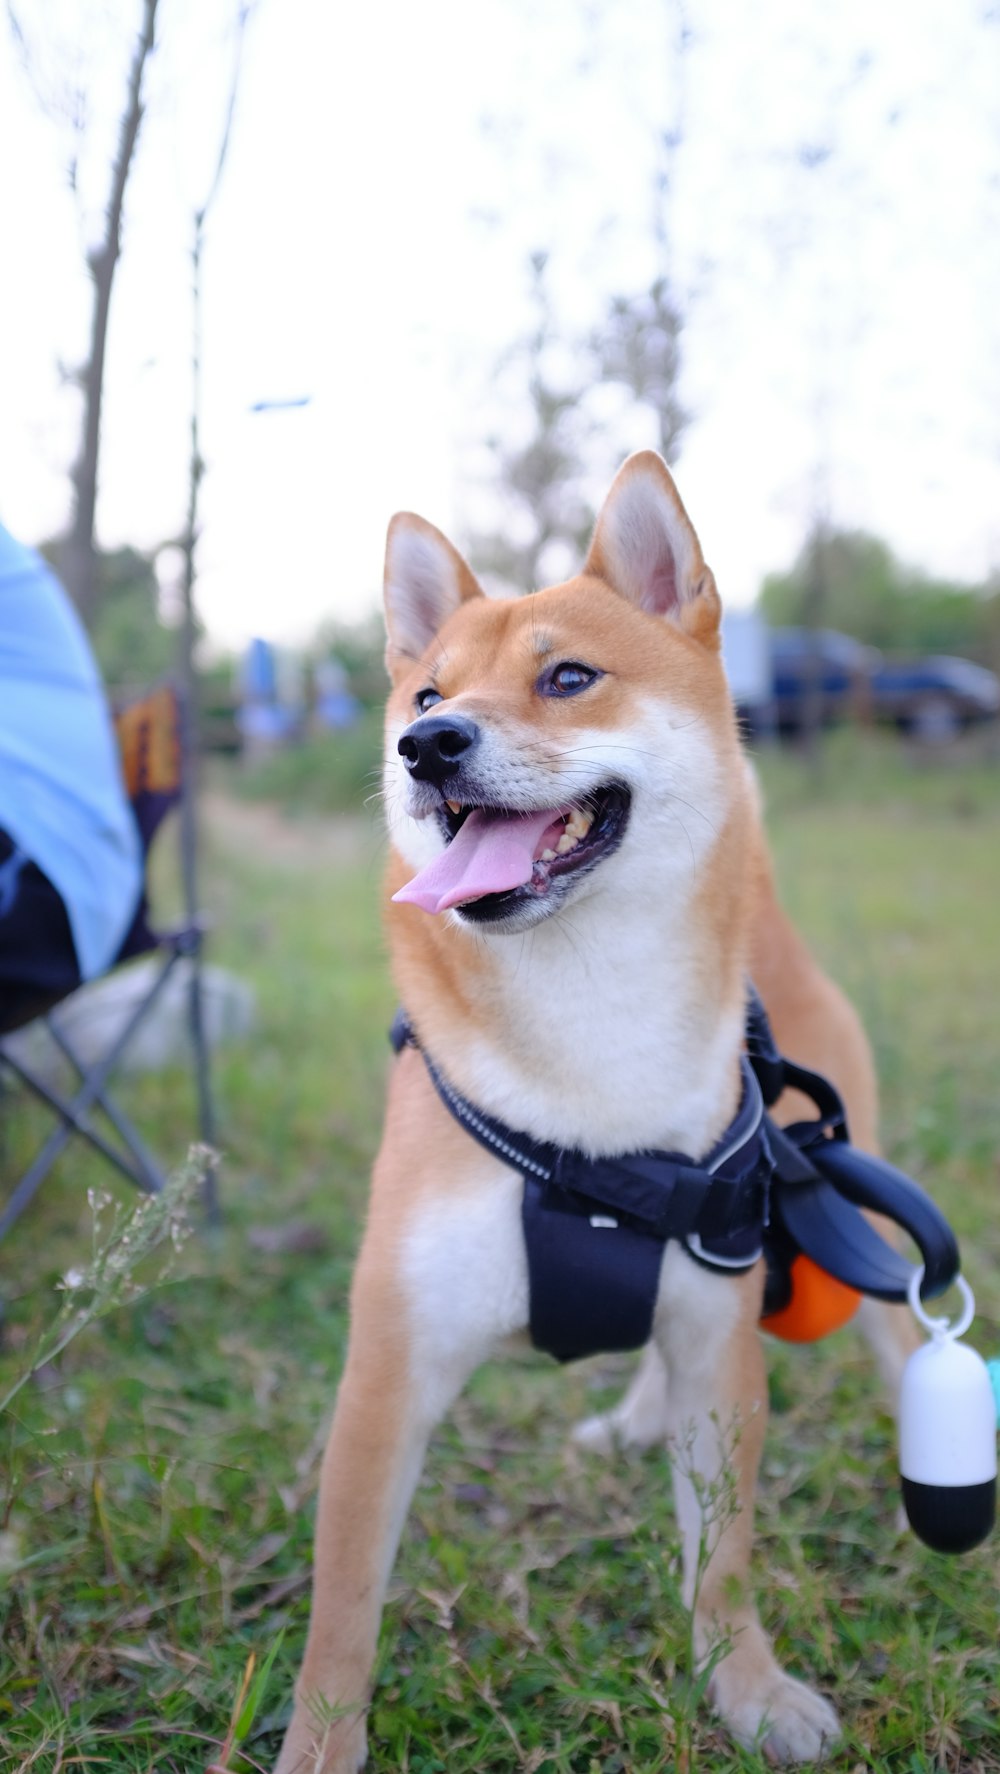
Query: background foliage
{"points": [[870, 594]]}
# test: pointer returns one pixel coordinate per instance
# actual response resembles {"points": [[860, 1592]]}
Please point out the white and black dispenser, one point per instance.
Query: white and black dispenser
{"points": [[947, 1434]]}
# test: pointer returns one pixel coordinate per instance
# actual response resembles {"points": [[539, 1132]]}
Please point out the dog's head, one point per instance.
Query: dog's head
{"points": [[532, 742]]}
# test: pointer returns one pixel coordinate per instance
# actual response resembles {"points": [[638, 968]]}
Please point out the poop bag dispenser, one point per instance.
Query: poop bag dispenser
{"points": [[947, 1433]]}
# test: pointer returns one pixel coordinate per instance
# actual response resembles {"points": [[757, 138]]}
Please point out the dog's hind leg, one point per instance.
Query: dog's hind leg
{"points": [[640, 1419], [717, 1392], [890, 1332]]}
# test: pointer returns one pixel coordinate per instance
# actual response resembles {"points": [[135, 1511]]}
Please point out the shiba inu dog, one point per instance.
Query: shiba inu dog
{"points": [[579, 891]]}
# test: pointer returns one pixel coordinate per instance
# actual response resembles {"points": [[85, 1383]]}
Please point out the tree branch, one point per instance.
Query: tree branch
{"points": [[79, 560]]}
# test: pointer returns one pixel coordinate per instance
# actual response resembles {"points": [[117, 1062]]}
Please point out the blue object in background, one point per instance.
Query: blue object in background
{"points": [[259, 673], [270, 711], [62, 799], [336, 705], [993, 1369]]}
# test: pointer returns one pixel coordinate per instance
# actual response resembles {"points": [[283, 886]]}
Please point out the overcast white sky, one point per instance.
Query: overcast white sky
{"points": [[392, 168]]}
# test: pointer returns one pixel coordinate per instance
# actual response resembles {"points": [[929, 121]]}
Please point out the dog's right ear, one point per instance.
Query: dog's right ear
{"points": [[646, 549], [426, 580]]}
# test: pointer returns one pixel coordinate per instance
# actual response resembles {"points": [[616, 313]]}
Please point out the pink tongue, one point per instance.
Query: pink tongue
{"points": [[490, 853]]}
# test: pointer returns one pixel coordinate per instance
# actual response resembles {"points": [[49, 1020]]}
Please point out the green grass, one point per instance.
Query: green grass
{"points": [[324, 773], [158, 1476]]}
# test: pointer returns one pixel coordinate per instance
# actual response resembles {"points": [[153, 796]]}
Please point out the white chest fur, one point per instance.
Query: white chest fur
{"points": [[603, 1040]]}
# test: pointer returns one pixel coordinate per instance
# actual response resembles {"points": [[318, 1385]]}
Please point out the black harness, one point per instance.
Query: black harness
{"points": [[596, 1229]]}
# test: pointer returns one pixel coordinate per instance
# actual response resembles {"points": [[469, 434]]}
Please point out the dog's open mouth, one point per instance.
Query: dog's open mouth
{"points": [[498, 860]]}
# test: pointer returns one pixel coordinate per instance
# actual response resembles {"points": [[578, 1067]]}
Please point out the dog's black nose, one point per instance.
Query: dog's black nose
{"points": [[434, 747]]}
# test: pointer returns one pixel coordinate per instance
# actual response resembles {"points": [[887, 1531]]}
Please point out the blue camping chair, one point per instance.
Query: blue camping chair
{"points": [[151, 739]]}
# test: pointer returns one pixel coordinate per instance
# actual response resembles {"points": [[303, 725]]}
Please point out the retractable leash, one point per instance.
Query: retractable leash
{"points": [[596, 1229], [947, 1408], [950, 1398], [947, 1432]]}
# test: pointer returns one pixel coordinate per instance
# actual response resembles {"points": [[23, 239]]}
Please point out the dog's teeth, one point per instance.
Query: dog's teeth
{"points": [[454, 806], [575, 830], [549, 855], [578, 824]]}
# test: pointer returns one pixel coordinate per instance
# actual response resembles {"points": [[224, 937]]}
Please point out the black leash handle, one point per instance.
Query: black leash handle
{"points": [[861, 1181], [823, 1181]]}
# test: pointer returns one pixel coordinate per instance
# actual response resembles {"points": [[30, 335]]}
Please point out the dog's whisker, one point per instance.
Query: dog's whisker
{"points": [[674, 796]]}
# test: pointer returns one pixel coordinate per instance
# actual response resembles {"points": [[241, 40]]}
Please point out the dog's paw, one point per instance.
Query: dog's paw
{"points": [[639, 1420], [598, 1435], [782, 1718], [620, 1428]]}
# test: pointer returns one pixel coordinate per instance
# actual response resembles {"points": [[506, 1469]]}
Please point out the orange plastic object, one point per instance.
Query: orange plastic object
{"points": [[819, 1304]]}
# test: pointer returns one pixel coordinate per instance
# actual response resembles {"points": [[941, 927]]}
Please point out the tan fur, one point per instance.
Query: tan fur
{"points": [[552, 1045]]}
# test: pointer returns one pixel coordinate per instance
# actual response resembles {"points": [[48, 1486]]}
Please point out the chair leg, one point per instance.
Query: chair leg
{"points": [[136, 1163], [203, 1083], [73, 1111], [147, 1178], [145, 1172]]}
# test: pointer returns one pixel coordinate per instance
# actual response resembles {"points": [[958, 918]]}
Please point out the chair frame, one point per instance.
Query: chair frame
{"points": [[128, 1153]]}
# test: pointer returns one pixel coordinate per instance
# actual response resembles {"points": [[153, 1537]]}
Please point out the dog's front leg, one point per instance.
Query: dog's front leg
{"points": [[438, 1281], [371, 1465], [717, 1400]]}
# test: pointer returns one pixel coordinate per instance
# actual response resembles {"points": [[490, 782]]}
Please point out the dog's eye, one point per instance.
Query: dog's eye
{"points": [[425, 699], [567, 678]]}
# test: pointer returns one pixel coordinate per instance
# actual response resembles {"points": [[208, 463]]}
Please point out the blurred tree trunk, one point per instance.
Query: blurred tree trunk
{"points": [[189, 625], [78, 556], [814, 607]]}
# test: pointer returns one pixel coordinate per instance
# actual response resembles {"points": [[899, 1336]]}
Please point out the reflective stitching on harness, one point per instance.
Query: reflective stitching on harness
{"points": [[469, 1118], [715, 1260], [744, 1140], [502, 1143]]}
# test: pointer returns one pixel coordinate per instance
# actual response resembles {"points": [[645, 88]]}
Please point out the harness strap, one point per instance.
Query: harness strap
{"points": [[664, 1194], [780, 1190], [595, 1229]]}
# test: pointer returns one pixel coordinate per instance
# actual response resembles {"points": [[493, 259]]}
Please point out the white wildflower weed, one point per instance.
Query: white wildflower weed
{"points": [[119, 1245]]}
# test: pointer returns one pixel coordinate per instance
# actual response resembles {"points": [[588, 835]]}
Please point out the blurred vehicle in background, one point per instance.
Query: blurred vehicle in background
{"points": [[934, 698], [831, 671]]}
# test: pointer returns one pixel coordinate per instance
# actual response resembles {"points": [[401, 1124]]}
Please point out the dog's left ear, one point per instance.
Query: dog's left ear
{"points": [[646, 549], [426, 580]]}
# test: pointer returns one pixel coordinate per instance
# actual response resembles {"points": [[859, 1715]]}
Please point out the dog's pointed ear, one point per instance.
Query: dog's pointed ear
{"points": [[426, 580], [646, 549]]}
